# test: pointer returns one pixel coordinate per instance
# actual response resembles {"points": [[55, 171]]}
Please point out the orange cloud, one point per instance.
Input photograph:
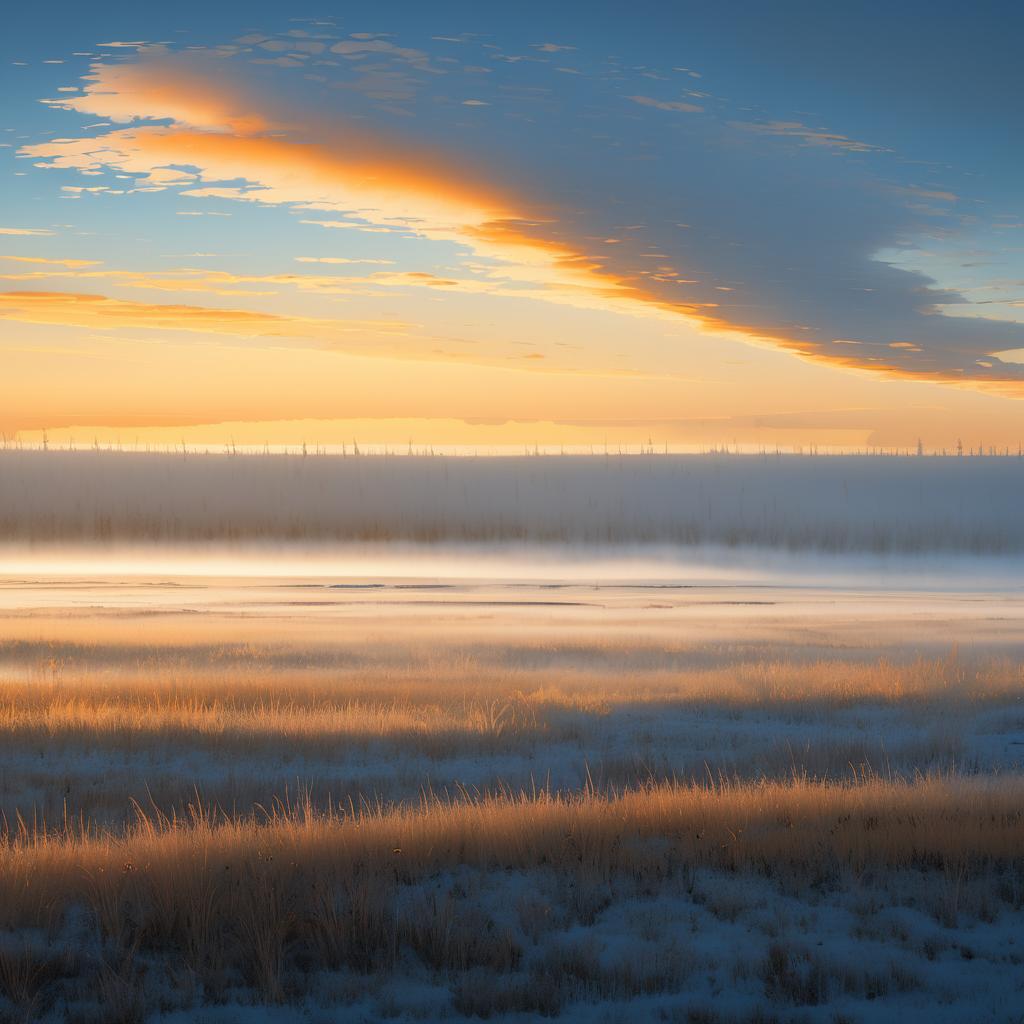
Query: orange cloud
{"points": [[390, 187], [101, 311], [418, 192], [51, 263], [379, 183], [376, 181], [380, 339], [161, 88], [223, 282]]}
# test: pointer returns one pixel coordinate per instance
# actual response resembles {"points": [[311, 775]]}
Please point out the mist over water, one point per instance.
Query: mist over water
{"points": [[403, 564]]}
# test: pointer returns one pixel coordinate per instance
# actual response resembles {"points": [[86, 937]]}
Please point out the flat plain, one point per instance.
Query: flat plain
{"points": [[293, 797]]}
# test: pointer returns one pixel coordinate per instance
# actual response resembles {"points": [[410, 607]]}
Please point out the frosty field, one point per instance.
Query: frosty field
{"points": [[429, 798], [306, 770]]}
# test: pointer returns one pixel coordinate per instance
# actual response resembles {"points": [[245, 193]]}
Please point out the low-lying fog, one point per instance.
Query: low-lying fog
{"points": [[840, 504], [607, 566]]}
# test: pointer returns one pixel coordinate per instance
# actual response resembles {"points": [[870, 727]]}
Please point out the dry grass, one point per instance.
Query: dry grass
{"points": [[801, 826], [423, 707], [230, 723], [83, 732], [174, 909], [264, 901]]}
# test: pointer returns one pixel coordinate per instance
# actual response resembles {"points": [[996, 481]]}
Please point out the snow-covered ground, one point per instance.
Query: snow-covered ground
{"points": [[155, 687]]}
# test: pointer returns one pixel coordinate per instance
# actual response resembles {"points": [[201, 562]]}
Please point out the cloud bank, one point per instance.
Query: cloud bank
{"points": [[767, 229]]}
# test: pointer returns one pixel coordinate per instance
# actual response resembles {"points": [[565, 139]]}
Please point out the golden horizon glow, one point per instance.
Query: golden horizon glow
{"points": [[418, 281]]}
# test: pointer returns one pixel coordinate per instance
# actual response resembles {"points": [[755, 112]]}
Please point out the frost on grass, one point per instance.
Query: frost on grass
{"points": [[280, 801], [759, 898]]}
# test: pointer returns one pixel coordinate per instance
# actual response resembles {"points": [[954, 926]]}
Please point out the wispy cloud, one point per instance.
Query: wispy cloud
{"points": [[348, 225], [88, 310], [102, 311], [41, 260], [807, 136], [341, 259], [677, 106], [227, 283], [358, 49]]}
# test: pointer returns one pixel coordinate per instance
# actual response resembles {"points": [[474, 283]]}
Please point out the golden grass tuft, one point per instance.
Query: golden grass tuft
{"points": [[800, 826]]}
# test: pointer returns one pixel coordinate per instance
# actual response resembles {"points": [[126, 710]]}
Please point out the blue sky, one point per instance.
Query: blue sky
{"points": [[685, 200]]}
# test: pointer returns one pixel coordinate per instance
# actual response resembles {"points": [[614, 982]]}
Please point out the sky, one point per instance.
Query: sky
{"points": [[503, 225]]}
